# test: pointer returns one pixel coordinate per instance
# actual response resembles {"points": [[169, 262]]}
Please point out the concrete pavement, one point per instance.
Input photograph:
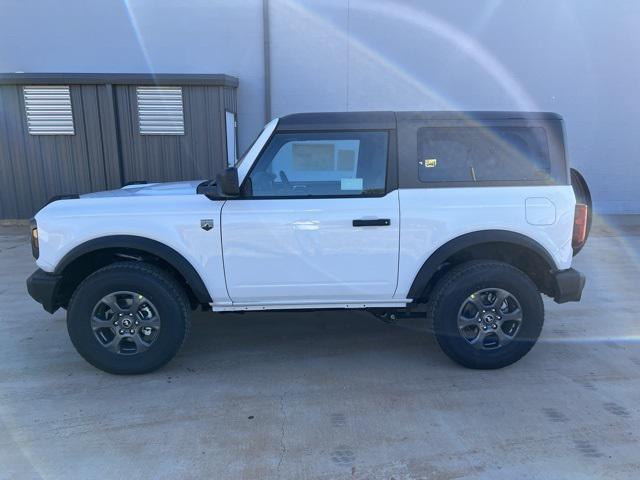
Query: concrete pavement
{"points": [[330, 395]]}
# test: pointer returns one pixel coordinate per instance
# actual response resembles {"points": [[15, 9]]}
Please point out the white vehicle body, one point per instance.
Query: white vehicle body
{"points": [[461, 218], [305, 253], [292, 253]]}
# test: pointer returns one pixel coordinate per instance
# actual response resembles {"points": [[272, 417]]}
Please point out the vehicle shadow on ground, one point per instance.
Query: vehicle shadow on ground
{"points": [[294, 336]]}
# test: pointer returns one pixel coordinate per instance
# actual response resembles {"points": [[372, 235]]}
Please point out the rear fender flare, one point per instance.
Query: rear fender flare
{"points": [[437, 258]]}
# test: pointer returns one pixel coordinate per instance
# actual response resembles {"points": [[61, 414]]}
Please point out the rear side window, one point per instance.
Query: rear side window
{"points": [[483, 154], [308, 164]]}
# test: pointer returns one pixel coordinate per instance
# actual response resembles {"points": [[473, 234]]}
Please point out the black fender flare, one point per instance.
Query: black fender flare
{"points": [[153, 247], [437, 258]]}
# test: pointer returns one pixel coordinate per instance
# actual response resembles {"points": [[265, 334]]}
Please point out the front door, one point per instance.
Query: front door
{"points": [[316, 224]]}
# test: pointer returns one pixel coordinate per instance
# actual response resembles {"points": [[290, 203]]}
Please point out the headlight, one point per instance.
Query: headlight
{"points": [[35, 245]]}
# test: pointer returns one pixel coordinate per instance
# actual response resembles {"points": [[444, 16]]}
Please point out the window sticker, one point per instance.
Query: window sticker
{"points": [[309, 157], [351, 184], [346, 160], [429, 162]]}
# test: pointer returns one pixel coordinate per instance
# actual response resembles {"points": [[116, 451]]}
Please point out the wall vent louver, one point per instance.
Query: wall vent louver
{"points": [[160, 110]]}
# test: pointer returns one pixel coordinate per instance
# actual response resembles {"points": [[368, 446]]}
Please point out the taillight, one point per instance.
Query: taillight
{"points": [[580, 225]]}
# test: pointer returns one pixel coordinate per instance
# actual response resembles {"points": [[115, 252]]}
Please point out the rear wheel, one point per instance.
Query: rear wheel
{"points": [[486, 314], [128, 318]]}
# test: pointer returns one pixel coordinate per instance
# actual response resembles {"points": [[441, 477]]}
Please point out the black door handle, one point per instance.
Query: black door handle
{"points": [[374, 222]]}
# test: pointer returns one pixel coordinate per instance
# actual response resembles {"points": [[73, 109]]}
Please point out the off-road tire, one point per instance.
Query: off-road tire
{"points": [[462, 281], [154, 284]]}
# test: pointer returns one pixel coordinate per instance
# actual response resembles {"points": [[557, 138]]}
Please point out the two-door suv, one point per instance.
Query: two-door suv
{"points": [[463, 217]]}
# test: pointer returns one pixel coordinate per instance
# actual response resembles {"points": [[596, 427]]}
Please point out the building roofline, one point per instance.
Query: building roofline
{"points": [[212, 79]]}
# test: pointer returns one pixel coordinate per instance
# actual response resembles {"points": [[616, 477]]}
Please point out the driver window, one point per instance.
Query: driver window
{"points": [[322, 164]]}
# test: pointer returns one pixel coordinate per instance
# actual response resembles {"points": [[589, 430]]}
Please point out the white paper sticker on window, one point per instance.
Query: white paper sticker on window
{"points": [[351, 184]]}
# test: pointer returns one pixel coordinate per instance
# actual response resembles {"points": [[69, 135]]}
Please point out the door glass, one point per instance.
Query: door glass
{"points": [[322, 164]]}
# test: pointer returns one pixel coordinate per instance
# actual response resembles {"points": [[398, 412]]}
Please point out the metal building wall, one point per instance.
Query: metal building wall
{"points": [[107, 149], [33, 168], [578, 58], [574, 57], [198, 154]]}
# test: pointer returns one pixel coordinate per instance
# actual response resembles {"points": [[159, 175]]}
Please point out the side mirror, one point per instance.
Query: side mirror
{"points": [[227, 183]]}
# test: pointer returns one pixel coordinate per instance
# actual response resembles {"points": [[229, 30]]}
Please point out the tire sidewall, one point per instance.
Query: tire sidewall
{"points": [[446, 317], [154, 288]]}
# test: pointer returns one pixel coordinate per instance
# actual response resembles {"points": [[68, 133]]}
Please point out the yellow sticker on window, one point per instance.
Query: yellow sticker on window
{"points": [[430, 162]]}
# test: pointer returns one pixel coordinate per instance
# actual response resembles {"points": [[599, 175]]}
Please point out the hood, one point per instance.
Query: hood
{"points": [[150, 189]]}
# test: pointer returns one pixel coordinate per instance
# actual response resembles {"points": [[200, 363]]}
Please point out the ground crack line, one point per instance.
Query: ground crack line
{"points": [[283, 447]]}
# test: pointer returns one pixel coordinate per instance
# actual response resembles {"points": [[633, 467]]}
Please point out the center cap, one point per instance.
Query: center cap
{"points": [[126, 323], [488, 318]]}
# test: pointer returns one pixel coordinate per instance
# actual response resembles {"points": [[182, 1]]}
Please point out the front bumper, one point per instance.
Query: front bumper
{"points": [[44, 288], [568, 285]]}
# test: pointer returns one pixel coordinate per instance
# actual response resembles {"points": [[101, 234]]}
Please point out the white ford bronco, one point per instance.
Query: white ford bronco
{"points": [[465, 218]]}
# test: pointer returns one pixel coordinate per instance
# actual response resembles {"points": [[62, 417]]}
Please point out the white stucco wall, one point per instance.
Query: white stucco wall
{"points": [[575, 57]]}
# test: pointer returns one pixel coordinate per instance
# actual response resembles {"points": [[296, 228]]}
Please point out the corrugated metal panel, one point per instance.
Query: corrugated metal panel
{"points": [[230, 103], [107, 145], [160, 110], [48, 110], [198, 154], [33, 168]]}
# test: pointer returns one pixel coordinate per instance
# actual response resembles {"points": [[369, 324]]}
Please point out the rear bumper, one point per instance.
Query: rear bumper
{"points": [[568, 285], [43, 288]]}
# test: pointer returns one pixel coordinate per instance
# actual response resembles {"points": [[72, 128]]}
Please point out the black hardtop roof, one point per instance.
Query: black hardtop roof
{"points": [[387, 119]]}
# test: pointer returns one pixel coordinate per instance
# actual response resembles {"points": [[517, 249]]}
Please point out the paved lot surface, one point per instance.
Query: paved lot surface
{"points": [[328, 395]]}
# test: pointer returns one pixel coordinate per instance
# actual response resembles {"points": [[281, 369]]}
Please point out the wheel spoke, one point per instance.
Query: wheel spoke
{"points": [[464, 322], [111, 301], [153, 322], [515, 315], [503, 337], [478, 341], [136, 302], [141, 345], [99, 323], [501, 296], [114, 345], [476, 300]]}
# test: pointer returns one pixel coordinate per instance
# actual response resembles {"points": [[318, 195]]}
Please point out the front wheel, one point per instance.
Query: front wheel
{"points": [[486, 314], [128, 318]]}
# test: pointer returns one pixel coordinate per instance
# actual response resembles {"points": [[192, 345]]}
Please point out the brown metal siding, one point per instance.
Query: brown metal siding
{"points": [[198, 154], [107, 148], [14, 191], [230, 99], [34, 168], [110, 136]]}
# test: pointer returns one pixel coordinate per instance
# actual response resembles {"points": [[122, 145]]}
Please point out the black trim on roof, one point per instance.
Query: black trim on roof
{"points": [[212, 79], [337, 121], [387, 120], [477, 115]]}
